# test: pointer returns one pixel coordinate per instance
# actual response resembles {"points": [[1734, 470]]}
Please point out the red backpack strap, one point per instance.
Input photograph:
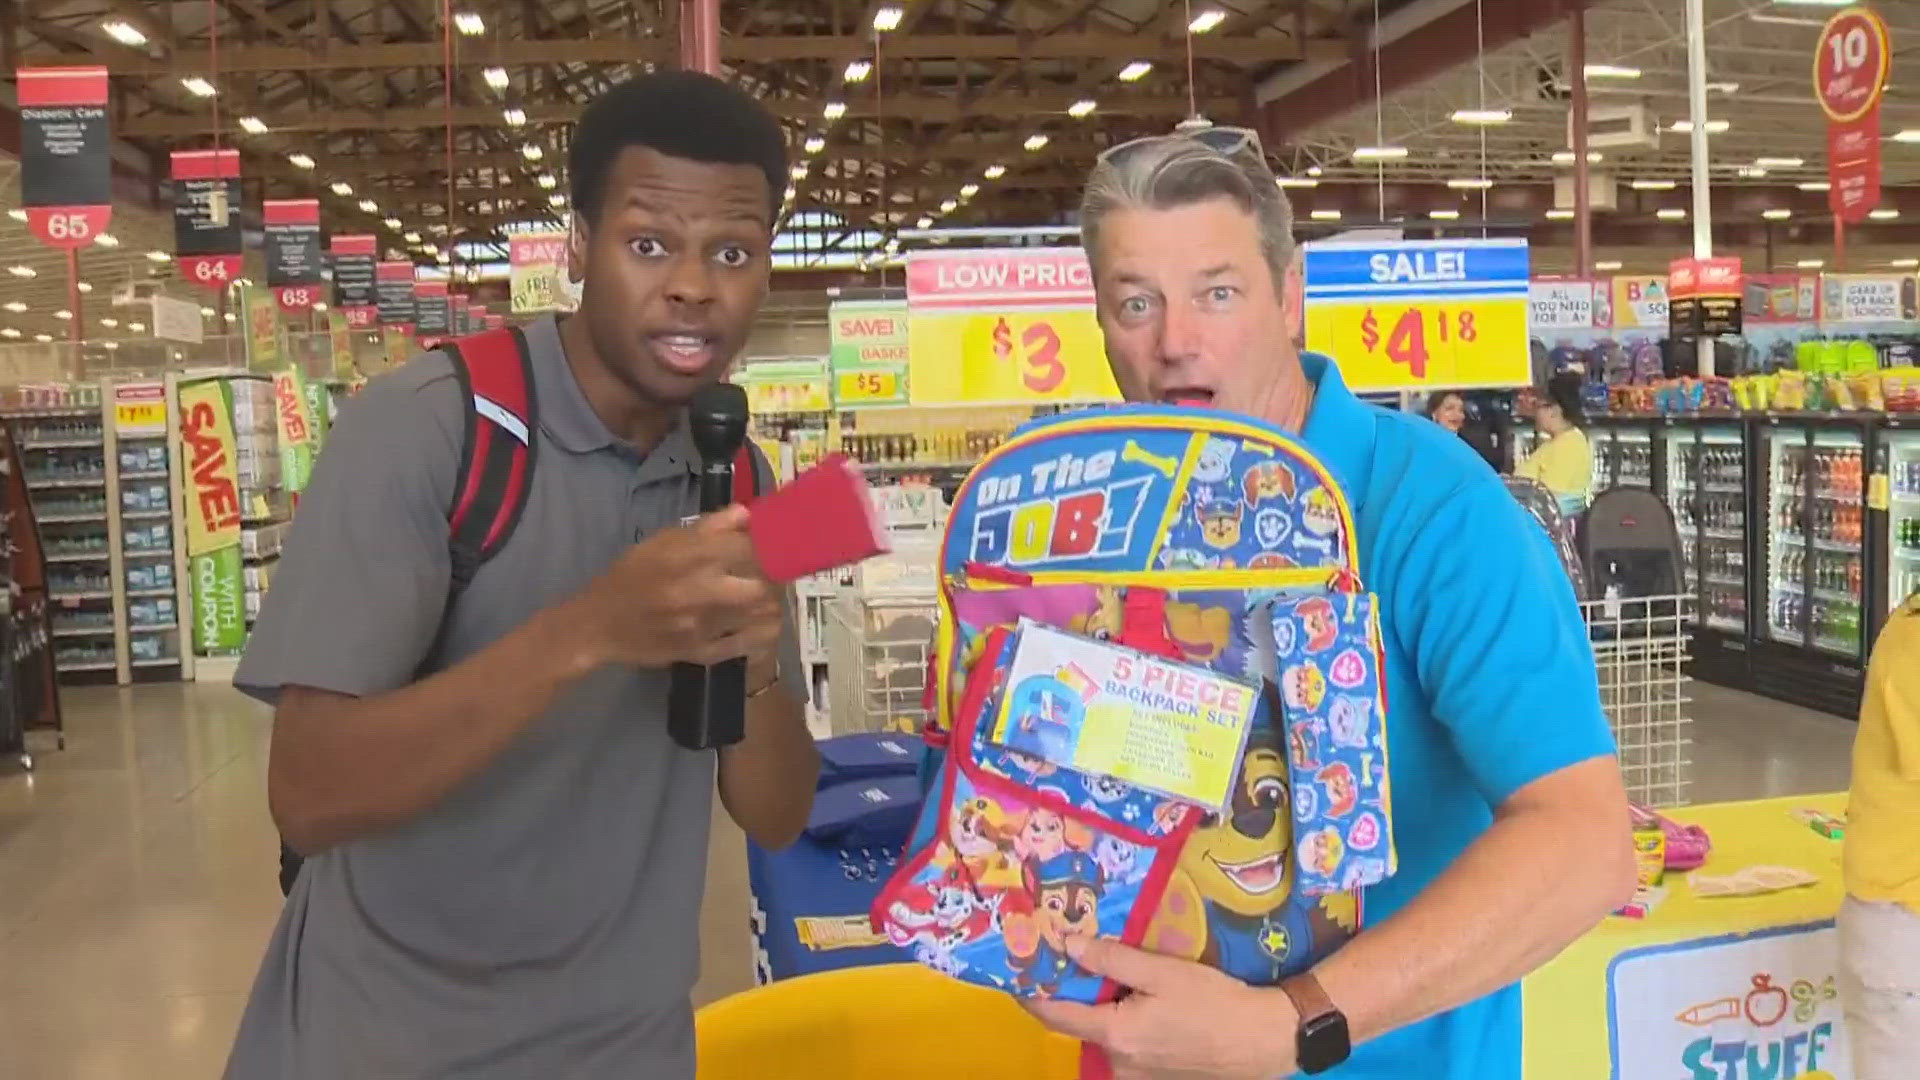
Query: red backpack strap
{"points": [[495, 371], [746, 478]]}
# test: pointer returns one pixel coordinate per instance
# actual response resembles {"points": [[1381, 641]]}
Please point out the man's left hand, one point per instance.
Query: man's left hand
{"points": [[1181, 1019]]}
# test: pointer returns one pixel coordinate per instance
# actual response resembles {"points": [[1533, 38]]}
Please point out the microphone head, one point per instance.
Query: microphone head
{"points": [[717, 418]]}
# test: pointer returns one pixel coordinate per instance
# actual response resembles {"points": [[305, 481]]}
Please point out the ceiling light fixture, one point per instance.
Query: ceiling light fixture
{"points": [[198, 86], [21, 271], [995, 172], [887, 19], [207, 313], [1565, 157], [14, 306], [532, 152], [63, 315], [1611, 71], [1778, 213], [253, 125], [1811, 264], [107, 240], [300, 161], [393, 223], [9, 332], [925, 222], [1206, 21], [556, 199], [1607, 264], [514, 117], [110, 323], [834, 110], [85, 286], [1885, 213], [137, 327], [1036, 142], [496, 77], [857, 71], [43, 338], [1296, 182], [1379, 153], [410, 237], [1750, 172], [547, 182], [1470, 183], [1559, 214], [1685, 127], [124, 32], [1723, 87], [1654, 185], [469, 23], [814, 144], [798, 172], [231, 317], [1814, 185], [1671, 213], [1904, 264], [1081, 109], [1779, 162], [369, 206], [968, 191], [949, 206], [1325, 215], [1135, 71], [340, 188], [158, 256], [1444, 215], [1482, 117], [17, 214]]}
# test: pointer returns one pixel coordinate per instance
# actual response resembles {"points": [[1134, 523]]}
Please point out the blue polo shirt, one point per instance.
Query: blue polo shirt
{"points": [[1490, 679]]}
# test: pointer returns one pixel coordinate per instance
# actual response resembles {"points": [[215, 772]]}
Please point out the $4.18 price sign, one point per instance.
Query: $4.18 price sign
{"points": [[1388, 345], [1406, 343]]}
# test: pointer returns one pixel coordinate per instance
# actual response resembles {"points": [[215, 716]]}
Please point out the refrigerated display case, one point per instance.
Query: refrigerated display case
{"points": [[1812, 639], [1901, 542], [1704, 478]]}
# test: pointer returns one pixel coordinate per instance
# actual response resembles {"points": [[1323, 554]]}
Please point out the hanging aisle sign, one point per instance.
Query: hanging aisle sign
{"points": [[1004, 327], [1703, 297], [537, 271], [66, 177], [1851, 62], [1420, 314], [206, 216], [293, 252], [394, 288], [431, 312], [355, 288], [868, 355]]}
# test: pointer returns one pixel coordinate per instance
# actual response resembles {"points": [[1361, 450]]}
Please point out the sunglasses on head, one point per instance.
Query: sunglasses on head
{"points": [[1225, 141]]}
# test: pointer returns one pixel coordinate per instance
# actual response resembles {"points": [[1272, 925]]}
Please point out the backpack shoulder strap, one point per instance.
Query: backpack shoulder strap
{"points": [[495, 371]]}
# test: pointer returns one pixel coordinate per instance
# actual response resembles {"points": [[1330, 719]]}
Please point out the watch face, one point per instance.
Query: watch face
{"points": [[1323, 1043]]}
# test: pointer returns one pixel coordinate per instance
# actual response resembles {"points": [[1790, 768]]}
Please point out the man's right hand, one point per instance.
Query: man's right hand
{"points": [[694, 593]]}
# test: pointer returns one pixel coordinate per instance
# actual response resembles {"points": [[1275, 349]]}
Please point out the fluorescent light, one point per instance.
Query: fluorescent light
{"points": [[442, 257], [1470, 183], [995, 172], [798, 172], [410, 237], [814, 144], [1135, 71], [14, 306], [556, 199], [1750, 172], [63, 315], [111, 346], [547, 182], [1611, 71], [107, 240], [17, 214], [393, 223], [340, 188], [158, 256], [85, 286], [1314, 170], [949, 206], [1559, 214], [20, 271], [1904, 264], [1036, 142], [369, 206], [1907, 135], [1811, 264], [925, 222], [791, 192], [514, 117], [1296, 181], [137, 327], [1714, 127], [532, 152], [1080, 109], [1670, 213], [1885, 213], [887, 18], [1379, 153], [1565, 157], [1778, 213], [300, 161], [43, 338], [496, 77], [205, 313], [1325, 215], [834, 110], [469, 23], [1482, 117], [110, 322], [1206, 20], [231, 317], [1723, 87], [319, 305], [1814, 185], [1654, 185], [124, 32], [198, 86], [857, 71], [1444, 215], [1607, 264], [253, 125], [968, 191], [9, 332], [1779, 162]]}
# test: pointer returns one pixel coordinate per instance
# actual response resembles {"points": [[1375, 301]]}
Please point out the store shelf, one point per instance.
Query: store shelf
{"points": [[157, 474], [1727, 582], [63, 444], [52, 411], [145, 515], [51, 485], [147, 553], [75, 519], [89, 665], [1831, 596], [101, 594], [1834, 546], [77, 556], [141, 594], [153, 628], [82, 631], [164, 661], [1721, 622]]}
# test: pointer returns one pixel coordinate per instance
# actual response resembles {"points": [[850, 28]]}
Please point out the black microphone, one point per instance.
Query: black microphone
{"points": [[707, 706]]}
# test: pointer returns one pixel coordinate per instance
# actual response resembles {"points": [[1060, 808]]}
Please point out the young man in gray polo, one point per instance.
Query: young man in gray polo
{"points": [[505, 851]]}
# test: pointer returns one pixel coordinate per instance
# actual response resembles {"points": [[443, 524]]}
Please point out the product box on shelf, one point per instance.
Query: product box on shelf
{"points": [[142, 497], [147, 458], [152, 613], [141, 537], [148, 576]]}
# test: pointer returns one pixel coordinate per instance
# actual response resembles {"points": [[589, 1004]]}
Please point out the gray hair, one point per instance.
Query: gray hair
{"points": [[1174, 171]]}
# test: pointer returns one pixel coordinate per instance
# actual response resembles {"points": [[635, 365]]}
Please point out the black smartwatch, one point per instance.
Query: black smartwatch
{"points": [[1321, 1041]]}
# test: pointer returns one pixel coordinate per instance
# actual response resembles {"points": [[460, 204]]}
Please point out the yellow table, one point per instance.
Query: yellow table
{"points": [[1706, 989]]}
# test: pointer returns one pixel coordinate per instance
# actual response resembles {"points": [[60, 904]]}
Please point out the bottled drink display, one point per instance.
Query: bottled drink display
{"points": [[1631, 461], [1903, 519], [1819, 524], [1706, 483]]}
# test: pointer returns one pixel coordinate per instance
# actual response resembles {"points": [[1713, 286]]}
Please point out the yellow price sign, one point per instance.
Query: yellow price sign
{"points": [[132, 416], [1390, 344], [1019, 357], [870, 386]]}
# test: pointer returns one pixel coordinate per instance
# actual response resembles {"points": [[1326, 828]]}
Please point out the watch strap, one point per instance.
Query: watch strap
{"points": [[1309, 998]]}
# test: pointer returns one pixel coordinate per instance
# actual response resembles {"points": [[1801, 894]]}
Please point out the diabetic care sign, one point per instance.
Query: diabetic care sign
{"points": [[1762, 1006]]}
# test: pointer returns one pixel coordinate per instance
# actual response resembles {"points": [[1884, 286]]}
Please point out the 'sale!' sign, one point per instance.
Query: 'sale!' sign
{"points": [[66, 182], [206, 216]]}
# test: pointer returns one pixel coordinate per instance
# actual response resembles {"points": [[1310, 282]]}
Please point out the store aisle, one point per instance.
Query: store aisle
{"points": [[137, 871]]}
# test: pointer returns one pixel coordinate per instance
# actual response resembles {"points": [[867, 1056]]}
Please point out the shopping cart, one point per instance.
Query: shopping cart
{"points": [[1640, 651]]}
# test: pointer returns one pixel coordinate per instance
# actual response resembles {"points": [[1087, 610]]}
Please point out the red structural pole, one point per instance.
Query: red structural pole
{"points": [[700, 35], [1582, 195]]}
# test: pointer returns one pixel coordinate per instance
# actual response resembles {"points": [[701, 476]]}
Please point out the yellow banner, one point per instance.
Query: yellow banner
{"points": [[1394, 344], [399, 345], [537, 273], [263, 330], [1024, 357], [212, 481], [340, 337], [296, 425]]}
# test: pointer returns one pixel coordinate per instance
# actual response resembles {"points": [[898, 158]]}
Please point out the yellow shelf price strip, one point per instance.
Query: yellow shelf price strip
{"points": [[870, 386]]}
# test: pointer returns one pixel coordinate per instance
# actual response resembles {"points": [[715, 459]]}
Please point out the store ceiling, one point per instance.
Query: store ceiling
{"points": [[960, 85]]}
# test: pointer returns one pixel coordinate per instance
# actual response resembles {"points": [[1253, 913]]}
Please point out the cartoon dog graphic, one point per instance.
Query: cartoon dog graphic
{"points": [[1219, 523], [1304, 686], [1066, 891], [1343, 794], [1201, 632], [1216, 461], [1321, 515], [983, 833], [1268, 480], [1322, 626], [1044, 835], [1104, 622]]}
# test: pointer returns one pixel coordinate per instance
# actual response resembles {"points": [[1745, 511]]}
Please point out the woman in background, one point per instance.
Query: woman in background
{"points": [[1564, 464], [1449, 409]]}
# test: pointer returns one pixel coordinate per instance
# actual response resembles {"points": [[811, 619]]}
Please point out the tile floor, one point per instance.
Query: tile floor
{"points": [[137, 871]]}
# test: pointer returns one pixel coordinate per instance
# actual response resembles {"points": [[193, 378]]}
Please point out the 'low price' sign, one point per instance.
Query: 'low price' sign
{"points": [[1420, 314]]}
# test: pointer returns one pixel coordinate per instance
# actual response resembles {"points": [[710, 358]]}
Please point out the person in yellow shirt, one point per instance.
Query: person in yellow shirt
{"points": [[1880, 921], [1564, 465]]}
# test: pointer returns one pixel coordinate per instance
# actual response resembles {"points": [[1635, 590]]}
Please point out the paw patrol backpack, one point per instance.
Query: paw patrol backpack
{"points": [[1190, 537]]}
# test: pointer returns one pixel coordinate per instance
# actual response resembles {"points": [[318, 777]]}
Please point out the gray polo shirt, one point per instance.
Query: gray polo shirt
{"points": [[543, 920]]}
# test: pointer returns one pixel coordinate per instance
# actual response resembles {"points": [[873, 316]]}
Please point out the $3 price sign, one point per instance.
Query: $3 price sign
{"points": [[1030, 355]]}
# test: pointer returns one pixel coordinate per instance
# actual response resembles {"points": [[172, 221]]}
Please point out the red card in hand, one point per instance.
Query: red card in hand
{"points": [[824, 519]]}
